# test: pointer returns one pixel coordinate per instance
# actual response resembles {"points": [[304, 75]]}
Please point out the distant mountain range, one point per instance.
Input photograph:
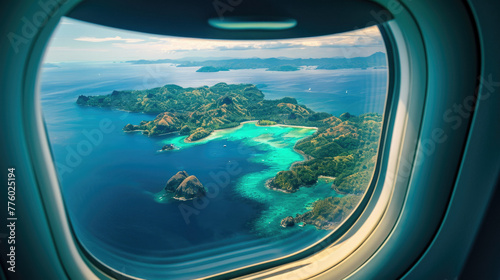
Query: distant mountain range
{"points": [[377, 59]]}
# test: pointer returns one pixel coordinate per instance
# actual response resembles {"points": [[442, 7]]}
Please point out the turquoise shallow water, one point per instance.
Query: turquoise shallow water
{"points": [[275, 145]]}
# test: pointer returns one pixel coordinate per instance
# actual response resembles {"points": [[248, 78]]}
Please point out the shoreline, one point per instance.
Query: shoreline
{"points": [[251, 121], [284, 125], [148, 135], [304, 155]]}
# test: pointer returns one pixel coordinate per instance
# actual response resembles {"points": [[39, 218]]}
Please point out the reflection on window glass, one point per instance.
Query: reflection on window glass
{"points": [[181, 158]]}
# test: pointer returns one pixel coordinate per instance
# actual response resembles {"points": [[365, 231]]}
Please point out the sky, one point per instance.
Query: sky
{"points": [[75, 40]]}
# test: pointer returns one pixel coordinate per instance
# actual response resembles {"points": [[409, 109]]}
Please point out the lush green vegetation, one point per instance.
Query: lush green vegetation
{"points": [[211, 69], [343, 147]]}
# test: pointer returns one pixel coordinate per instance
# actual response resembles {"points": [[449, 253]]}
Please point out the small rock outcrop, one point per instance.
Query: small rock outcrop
{"points": [[168, 147], [175, 181], [190, 188], [288, 222], [226, 100]]}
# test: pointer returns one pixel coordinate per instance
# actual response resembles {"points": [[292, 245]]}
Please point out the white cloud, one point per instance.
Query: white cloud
{"points": [[108, 39]]}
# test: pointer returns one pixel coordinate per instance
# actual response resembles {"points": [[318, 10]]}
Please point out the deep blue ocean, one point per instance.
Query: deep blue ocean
{"points": [[109, 178]]}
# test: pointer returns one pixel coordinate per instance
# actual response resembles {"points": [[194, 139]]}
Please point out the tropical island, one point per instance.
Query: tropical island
{"points": [[343, 148]]}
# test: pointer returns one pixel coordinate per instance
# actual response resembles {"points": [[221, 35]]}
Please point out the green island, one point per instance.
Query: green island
{"points": [[343, 149], [212, 69]]}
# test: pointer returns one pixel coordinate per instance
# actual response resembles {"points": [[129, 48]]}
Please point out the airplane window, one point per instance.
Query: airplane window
{"points": [[181, 158]]}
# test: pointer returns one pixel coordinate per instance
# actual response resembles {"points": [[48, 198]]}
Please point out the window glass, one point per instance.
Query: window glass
{"points": [[180, 158]]}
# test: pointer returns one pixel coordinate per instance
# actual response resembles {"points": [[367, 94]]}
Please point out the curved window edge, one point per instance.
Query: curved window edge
{"points": [[77, 261]]}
